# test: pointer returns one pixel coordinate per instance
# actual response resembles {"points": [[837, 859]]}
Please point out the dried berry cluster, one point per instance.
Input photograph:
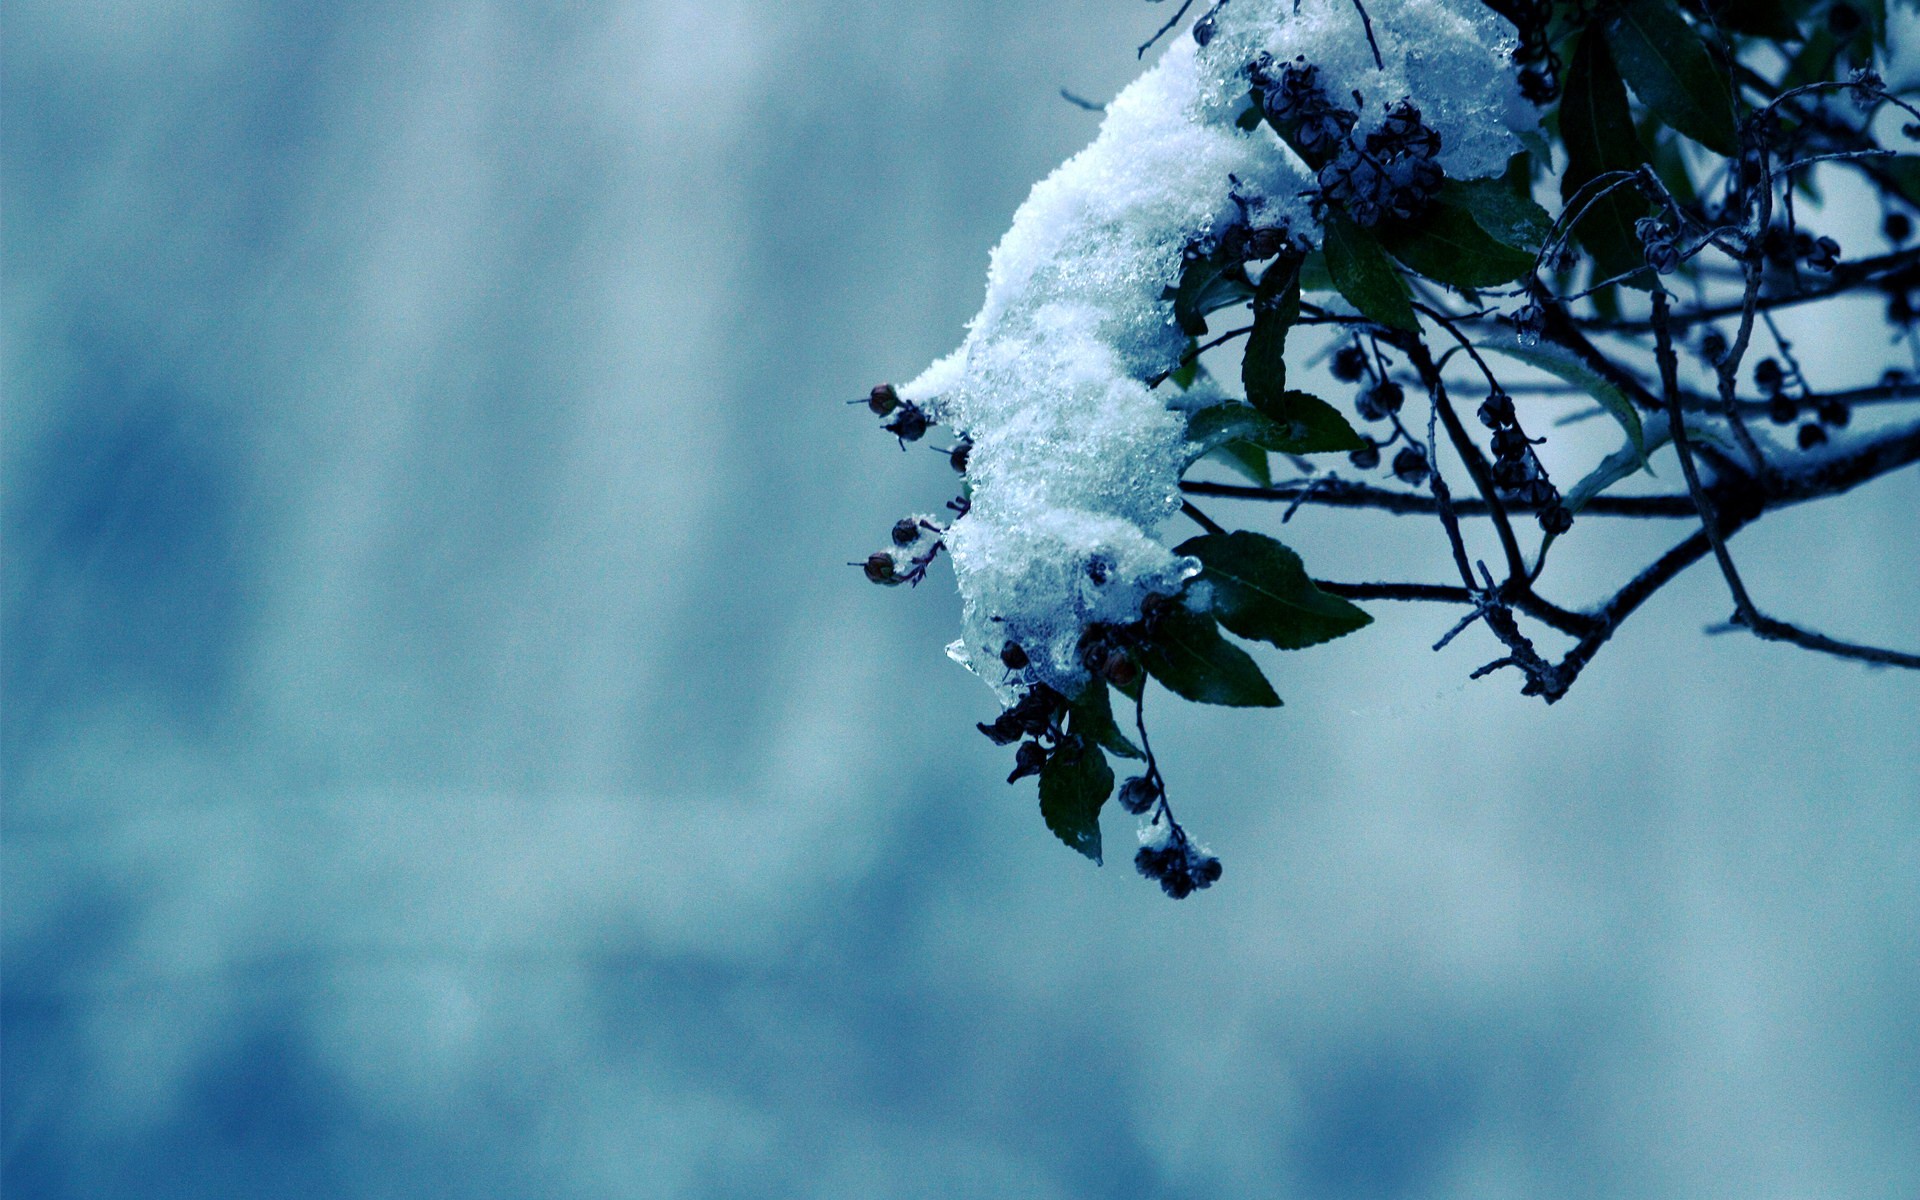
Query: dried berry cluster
{"points": [[1170, 857], [1391, 173], [1380, 400], [1517, 470]]}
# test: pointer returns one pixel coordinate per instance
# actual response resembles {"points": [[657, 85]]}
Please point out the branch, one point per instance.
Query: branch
{"points": [[1335, 492]]}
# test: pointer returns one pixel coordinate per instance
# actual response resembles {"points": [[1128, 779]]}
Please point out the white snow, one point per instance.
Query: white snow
{"points": [[1075, 462]]}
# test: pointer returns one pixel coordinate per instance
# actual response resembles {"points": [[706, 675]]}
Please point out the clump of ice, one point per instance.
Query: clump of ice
{"points": [[1075, 462]]}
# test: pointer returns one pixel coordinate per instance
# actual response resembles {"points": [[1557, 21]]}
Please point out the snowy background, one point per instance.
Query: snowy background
{"points": [[445, 754]]}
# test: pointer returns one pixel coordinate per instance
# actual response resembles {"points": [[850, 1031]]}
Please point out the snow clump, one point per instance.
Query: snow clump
{"points": [[1075, 462]]}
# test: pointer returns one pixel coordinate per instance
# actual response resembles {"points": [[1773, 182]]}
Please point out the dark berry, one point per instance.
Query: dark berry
{"points": [[880, 569], [1767, 375], [906, 531], [909, 424], [1388, 396], [1410, 466], [1497, 410], [883, 400], [1029, 759], [1713, 346], [1898, 227], [1138, 794], [1834, 413], [1366, 458], [957, 458], [1012, 657], [1556, 519], [1349, 364], [1781, 410], [1509, 442], [1812, 435]]}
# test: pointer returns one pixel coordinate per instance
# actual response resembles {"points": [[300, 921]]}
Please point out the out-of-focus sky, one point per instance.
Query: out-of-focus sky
{"points": [[445, 753]]}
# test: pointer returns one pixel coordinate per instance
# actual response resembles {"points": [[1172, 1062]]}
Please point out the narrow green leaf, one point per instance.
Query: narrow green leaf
{"points": [[1673, 72], [1276, 306], [1189, 368], [1260, 590], [1509, 217], [1092, 717], [1314, 275], [1073, 785], [1565, 365], [1596, 127], [1365, 275], [1448, 246], [1186, 653]]}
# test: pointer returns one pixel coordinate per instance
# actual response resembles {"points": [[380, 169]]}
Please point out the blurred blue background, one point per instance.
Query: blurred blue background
{"points": [[444, 752]]}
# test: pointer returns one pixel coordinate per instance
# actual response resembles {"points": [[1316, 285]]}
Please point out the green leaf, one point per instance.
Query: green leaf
{"points": [[1186, 653], [1250, 115], [1761, 18], [1091, 716], [1189, 368], [1510, 218], [1276, 306], [1901, 172], [1305, 424], [1673, 72], [1314, 275], [1448, 246], [1596, 127], [1300, 424], [1365, 276], [1207, 282], [1260, 590], [1558, 361], [1073, 785], [1248, 459]]}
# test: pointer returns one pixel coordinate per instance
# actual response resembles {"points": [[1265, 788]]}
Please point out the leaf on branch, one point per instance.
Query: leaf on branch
{"points": [[1297, 423], [1276, 306], [1073, 785], [1186, 653], [1629, 460], [1509, 217], [1673, 72], [1448, 246], [1564, 364], [1596, 126], [1208, 282], [1091, 717], [1363, 273], [1261, 590], [1248, 459]]}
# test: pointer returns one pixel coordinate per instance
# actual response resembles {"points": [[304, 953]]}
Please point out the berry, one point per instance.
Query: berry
{"points": [[1898, 227], [906, 531], [1366, 458], [1834, 413], [880, 569], [1497, 410], [1388, 396], [1410, 466], [1556, 519], [909, 424], [1349, 364], [1781, 410], [1509, 442], [1029, 759], [1713, 346], [1012, 657], [957, 457], [883, 400], [1138, 794], [1767, 375], [1812, 435]]}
